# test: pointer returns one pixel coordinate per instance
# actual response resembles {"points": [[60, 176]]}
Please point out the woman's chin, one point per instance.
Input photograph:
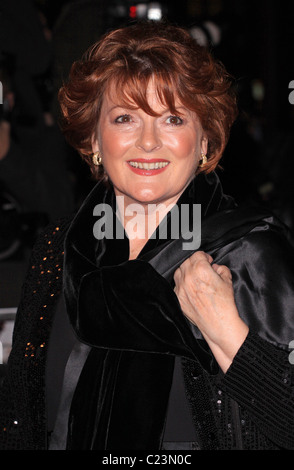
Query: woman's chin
{"points": [[143, 198]]}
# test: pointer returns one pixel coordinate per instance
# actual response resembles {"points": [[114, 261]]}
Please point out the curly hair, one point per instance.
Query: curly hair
{"points": [[127, 58]]}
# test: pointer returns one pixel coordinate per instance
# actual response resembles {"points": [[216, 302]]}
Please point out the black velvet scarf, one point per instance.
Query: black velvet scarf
{"points": [[129, 315]]}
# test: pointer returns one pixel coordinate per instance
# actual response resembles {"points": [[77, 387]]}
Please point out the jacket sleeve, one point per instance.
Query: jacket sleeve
{"points": [[22, 406], [261, 380]]}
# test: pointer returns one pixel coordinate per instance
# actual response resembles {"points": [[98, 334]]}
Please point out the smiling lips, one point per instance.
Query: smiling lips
{"points": [[148, 167]]}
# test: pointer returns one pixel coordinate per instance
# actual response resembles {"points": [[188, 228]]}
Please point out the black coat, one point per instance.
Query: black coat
{"points": [[128, 316]]}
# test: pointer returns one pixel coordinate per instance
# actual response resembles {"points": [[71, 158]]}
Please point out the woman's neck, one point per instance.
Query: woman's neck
{"points": [[140, 221]]}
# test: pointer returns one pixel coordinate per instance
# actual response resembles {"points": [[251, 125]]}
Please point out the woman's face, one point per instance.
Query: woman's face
{"points": [[149, 159]]}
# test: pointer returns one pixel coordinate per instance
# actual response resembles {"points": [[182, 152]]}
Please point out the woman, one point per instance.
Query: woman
{"points": [[165, 343]]}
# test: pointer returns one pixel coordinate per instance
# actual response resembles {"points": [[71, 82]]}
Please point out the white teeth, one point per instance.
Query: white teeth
{"points": [[148, 166]]}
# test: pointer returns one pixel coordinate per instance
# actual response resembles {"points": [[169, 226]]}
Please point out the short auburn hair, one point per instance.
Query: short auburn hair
{"points": [[128, 58]]}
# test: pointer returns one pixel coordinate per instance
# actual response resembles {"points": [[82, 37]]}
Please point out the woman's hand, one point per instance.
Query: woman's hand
{"points": [[206, 295]]}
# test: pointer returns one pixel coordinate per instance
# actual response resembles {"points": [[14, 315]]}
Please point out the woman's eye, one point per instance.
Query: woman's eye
{"points": [[125, 118], [174, 120]]}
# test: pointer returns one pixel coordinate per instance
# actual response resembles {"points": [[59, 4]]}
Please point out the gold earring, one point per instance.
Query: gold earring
{"points": [[97, 159], [203, 160]]}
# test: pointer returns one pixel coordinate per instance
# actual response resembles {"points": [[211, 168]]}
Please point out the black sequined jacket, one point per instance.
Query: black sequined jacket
{"points": [[136, 333]]}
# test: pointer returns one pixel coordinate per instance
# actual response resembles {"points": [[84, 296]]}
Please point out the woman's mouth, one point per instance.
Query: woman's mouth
{"points": [[148, 168]]}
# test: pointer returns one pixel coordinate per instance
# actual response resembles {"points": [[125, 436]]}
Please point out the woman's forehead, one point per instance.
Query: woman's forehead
{"points": [[149, 94]]}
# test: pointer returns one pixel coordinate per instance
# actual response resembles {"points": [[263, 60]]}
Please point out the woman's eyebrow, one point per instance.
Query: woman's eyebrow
{"points": [[122, 106]]}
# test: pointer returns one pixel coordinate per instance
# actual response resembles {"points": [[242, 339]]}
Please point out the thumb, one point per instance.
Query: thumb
{"points": [[222, 271]]}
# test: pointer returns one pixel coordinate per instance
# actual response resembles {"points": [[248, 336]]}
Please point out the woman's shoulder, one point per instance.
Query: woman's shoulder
{"points": [[54, 232], [46, 258], [257, 239], [49, 242], [42, 282], [270, 236]]}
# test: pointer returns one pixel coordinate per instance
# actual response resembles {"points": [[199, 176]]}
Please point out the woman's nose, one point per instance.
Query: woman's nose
{"points": [[148, 138]]}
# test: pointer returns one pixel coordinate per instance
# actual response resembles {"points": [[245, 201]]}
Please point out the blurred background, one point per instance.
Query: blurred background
{"points": [[42, 179]]}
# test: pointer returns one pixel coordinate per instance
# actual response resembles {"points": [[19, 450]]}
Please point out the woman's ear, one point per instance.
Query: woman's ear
{"points": [[95, 146], [204, 145]]}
